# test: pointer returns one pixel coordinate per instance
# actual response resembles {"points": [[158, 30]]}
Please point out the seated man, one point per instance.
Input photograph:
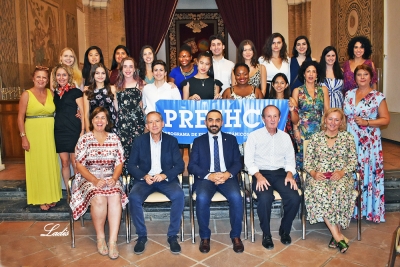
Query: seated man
{"points": [[215, 163], [155, 163], [269, 157]]}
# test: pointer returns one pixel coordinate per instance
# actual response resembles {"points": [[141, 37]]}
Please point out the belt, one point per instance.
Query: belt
{"points": [[40, 116]]}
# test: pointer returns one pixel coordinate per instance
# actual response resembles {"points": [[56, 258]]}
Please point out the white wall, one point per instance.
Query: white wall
{"points": [[320, 27], [280, 19]]}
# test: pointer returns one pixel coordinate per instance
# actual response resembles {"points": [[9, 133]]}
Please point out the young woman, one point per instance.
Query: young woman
{"points": [[67, 126], [202, 86], [186, 69], [274, 58], [68, 57], [160, 89], [99, 94], [146, 58], [93, 55], [247, 54], [332, 76], [130, 120], [120, 52], [301, 52], [242, 89]]}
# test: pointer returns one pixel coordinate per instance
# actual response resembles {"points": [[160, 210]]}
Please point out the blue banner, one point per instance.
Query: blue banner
{"points": [[184, 119]]}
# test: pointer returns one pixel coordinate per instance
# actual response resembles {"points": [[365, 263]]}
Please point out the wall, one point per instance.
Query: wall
{"points": [[320, 27], [280, 17]]}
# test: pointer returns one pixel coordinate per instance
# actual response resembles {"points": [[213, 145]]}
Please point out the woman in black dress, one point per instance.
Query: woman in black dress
{"points": [[69, 119]]}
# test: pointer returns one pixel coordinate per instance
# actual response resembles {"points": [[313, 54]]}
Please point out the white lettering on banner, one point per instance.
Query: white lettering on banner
{"points": [[228, 118], [51, 230], [200, 119], [187, 120], [246, 114], [170, 115]]}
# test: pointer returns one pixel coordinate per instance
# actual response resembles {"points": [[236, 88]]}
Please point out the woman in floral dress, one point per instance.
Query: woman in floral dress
{"points": [[330, 161], [366, 110], [99, 94], [312, 100], [130, 120]]}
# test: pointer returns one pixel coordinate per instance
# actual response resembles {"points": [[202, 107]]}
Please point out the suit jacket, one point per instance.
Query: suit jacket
{"points": [[200, 158], [139, 163]]}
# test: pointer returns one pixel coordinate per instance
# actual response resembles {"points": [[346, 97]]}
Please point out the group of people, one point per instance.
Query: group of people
{"points": [[106, 125]]}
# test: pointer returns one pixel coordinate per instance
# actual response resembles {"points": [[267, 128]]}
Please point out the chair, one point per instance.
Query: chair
{"points": [[125, 213], [395, 247], [155, 197], [356, 191], [218, 197]]}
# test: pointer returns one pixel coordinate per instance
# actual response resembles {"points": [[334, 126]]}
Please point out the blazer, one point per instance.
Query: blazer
{"points": [[200, 158], [139, 163]]}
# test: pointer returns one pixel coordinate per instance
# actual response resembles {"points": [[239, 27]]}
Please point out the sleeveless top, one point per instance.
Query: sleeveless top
{"points": [[255, 80], [250, 96]]}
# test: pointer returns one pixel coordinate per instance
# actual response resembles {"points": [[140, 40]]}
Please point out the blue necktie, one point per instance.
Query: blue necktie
{"points": [[217, 165]]}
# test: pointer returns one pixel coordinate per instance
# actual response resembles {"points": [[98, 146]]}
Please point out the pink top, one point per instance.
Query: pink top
{"points": [[349, 82]]}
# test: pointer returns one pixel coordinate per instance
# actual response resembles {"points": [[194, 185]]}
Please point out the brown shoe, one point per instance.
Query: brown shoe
{"points": [[204, 245], [237, 245]]}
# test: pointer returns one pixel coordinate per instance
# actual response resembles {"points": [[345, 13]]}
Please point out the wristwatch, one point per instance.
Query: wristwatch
{"points": [[22, 134]]}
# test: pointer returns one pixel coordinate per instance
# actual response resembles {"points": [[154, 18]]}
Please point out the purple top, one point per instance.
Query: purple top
{"points": [[348, 75]]}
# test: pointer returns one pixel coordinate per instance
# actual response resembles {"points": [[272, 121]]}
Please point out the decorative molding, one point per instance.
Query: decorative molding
{"points": [[102, 4]]}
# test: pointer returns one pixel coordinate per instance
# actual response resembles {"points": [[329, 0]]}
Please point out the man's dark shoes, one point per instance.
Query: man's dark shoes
{"points": [[285, 237], [237, 245], [174, 245], [267, 241], [140, 245], [204, 245]]}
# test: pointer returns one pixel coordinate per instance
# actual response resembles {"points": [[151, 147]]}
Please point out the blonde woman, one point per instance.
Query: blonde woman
{"points": [[68, 57]]}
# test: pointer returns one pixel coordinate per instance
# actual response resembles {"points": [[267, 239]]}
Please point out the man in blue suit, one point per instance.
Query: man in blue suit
{"points": [[215, 163], [154, 163]]}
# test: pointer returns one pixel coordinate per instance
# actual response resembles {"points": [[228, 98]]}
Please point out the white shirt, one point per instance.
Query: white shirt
{"points": [[272, 70], [223, 72], [264, 151], [220, 152], [155, 153], [151, 94]]}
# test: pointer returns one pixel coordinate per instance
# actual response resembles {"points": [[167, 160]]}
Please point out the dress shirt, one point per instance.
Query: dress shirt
{"points": [[155, 152], [264, 151], [152, 93], [221, 152], [223, 72]]}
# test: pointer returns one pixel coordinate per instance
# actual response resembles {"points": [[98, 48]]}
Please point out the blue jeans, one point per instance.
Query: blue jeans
{"points": [[205, 190], [141, 190]]}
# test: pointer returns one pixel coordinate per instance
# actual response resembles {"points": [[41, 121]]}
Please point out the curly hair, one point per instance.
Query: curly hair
{"points": [[97, 111], [337, 71], [365, 43], [69, 71], [142, 64], [240, 49], [90, 90], [342, 126], [295, 53], [266, 52], [304, 67], [120, 84]]}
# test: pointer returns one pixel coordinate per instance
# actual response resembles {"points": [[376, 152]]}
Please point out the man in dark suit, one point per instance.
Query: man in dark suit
{"points": [[215, 163], [154, 163]]}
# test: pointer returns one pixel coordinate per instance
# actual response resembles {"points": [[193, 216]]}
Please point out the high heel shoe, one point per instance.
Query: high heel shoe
{"points": [[332, 243], [343, 246], [102, 246], [113, 252]]}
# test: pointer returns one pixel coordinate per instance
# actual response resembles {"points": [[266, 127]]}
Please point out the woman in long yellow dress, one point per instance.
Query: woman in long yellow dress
{"points": [[36, 126]]}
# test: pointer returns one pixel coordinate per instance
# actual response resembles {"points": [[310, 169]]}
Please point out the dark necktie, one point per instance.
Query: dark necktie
{"points": [[217, 165]]}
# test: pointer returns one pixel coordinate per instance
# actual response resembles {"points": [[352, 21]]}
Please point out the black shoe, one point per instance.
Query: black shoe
{"points": [[237, 245], [140, 245], [174, 245], [267, 241], [285, 237], [204, 245]]}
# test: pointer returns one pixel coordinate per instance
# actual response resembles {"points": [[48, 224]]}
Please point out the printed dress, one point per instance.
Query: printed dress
{"points": [[335, 89], [130, 121], [369, 153], [101, 161], [330, 199], [102, 99], [310, 114]]}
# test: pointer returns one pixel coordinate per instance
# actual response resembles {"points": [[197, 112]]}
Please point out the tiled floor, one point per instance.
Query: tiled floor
{"points": [[22, 244]]}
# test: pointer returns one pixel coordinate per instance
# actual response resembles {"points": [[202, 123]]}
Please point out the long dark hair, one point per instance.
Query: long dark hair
{"points": [[114, 63], [286, 92], [90, 91], [240, 49], [266, 52], [337, 71], [208, 55], [86, 64], [142, 64], [295, 53]]}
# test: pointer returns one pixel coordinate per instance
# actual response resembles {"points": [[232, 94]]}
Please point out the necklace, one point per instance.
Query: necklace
{"points": [[331, 137], [186, 73], [203, 81]]}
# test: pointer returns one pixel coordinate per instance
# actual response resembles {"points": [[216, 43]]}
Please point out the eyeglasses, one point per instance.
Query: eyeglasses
{"points": [[41, 68]]}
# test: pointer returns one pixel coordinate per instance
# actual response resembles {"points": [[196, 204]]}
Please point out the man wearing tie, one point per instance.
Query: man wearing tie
{"points": [[215, 163]]}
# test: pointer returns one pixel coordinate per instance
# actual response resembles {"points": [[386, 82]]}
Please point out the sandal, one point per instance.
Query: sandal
{"points": [[102, 246], [343, 246], [113, 253], [333, 243], [44, 207], [52, 205]]}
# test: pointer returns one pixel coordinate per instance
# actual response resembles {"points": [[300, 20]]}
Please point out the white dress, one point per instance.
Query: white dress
{"points": [[272, 70]]}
